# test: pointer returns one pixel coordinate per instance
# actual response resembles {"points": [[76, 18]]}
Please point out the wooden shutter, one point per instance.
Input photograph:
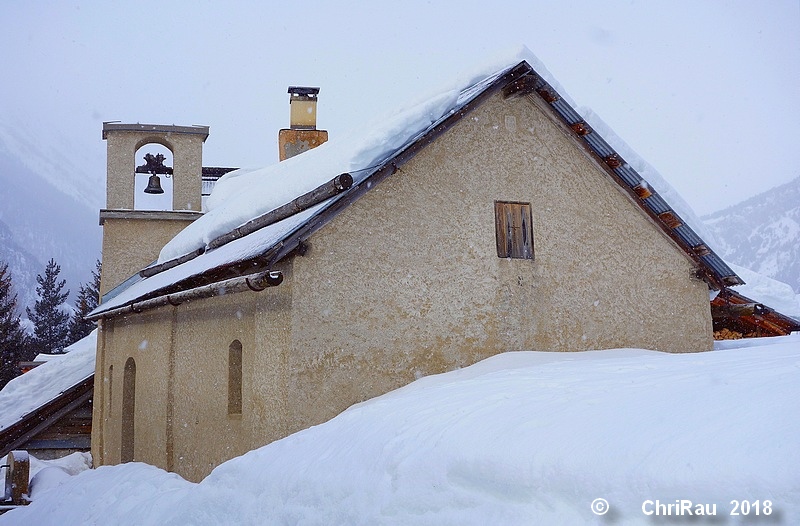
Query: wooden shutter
{"points": [[514, 230]]}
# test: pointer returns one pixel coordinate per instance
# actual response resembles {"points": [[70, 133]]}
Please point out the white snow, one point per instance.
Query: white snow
{"points": [[520, 438], [48, 474], [232, 252], [771, 292], [27, 392], [42, 357]]}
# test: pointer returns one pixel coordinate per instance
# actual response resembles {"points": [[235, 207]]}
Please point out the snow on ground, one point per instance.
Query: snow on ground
{"points": [[49, 474], [520, 438], [27, 392]]}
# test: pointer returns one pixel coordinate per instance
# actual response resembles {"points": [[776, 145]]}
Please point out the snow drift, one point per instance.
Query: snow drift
{"points": [[520, 438]]}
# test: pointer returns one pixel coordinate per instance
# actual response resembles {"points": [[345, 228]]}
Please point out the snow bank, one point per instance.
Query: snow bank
{"points": [[520, 438], [25, 393], [49, 474]]}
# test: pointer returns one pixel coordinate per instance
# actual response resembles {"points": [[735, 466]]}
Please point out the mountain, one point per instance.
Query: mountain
{"points": [[22, 266], [763, 233], [48, 209]]}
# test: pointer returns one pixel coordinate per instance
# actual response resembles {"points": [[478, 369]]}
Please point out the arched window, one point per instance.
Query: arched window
{"points": [[110, 387], [128, 411], [235, 378]]}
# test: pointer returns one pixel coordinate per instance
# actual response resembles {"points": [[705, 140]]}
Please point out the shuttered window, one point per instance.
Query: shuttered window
{"points": [[514, 229]]}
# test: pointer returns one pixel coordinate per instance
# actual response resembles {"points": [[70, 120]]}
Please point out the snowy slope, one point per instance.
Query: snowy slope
{"points": [[22, 266], [763, 233], [520, 438]]}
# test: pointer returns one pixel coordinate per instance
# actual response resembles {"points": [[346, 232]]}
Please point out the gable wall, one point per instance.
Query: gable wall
{"points": [[406, 282]]}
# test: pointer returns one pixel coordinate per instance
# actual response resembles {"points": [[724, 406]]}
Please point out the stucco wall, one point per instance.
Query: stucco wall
{"points": [[181, 354], [407, 282], [147, 339], [205, 435], [129, 245]]}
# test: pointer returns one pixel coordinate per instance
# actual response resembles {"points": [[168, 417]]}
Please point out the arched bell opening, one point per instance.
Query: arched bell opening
{"points": [[153, 177]]}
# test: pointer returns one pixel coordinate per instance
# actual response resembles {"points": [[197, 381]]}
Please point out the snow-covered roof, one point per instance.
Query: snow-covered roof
{"points": [[42, 357], [776, 294], [245, 194], [26, 393]]}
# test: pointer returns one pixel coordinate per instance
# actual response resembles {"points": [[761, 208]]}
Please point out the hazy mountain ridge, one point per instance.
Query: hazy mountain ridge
{"points": [[55, 159], [40, 221], [763, 233], [22, 266]]}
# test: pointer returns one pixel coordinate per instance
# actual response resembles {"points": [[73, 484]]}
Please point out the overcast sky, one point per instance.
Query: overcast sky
{"points": [[708, 91]]}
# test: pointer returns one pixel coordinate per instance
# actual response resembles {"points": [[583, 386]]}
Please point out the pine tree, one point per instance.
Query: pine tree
{"points": [[50, 323], [12, 337], [88, 299]]}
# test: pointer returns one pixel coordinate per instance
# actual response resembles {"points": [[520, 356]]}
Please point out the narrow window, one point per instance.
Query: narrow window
{"points": [[110, 387], [235, 378], [514, 229], [128, 411]]}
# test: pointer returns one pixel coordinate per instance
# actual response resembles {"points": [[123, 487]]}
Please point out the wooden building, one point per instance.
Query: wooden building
{"points": [[59, 427], [47, 411]]}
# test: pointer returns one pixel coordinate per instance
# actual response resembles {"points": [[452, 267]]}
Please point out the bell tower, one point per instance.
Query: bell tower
{"points": [[132, 239]]}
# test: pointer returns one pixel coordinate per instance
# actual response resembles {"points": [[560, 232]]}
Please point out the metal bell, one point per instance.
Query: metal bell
{"points": [[154, 185]]}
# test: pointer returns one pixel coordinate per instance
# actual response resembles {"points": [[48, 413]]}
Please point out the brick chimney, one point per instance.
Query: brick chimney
{"points": [[302, 134]]}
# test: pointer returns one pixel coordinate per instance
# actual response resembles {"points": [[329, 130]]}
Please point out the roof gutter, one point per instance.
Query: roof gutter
{"points": [[254, 282]]}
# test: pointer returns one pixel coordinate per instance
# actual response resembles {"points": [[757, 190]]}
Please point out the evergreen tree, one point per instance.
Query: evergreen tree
{"points": [[12, 337], [50, 323], [88, 299]]}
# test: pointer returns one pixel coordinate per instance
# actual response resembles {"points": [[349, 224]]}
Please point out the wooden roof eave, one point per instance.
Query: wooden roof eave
{"points": [[764, 317]]}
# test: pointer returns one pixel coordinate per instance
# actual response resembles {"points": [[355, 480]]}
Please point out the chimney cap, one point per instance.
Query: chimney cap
{"points": [[303, 90]]}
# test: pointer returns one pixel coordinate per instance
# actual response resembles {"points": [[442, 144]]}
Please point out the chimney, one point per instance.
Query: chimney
{"points": [[302, 134]]}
